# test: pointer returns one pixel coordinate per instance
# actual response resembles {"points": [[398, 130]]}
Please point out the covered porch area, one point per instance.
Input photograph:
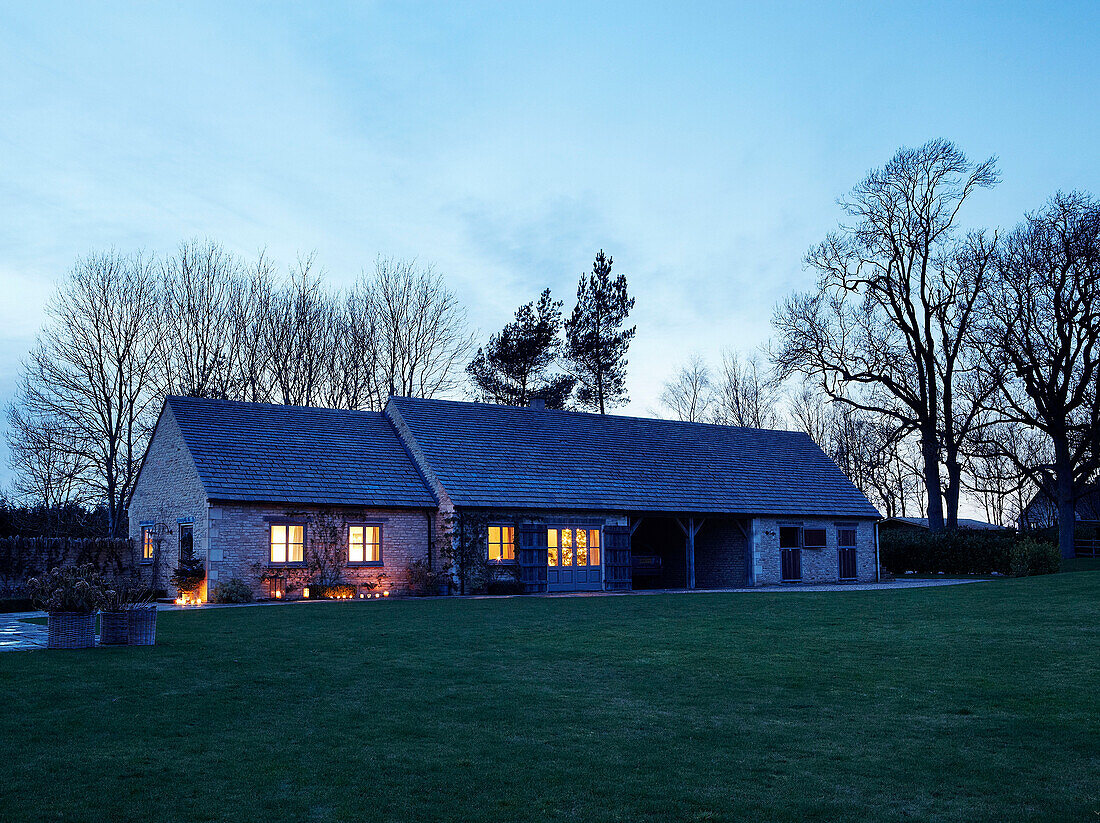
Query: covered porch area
{"points": [[690, 551]]}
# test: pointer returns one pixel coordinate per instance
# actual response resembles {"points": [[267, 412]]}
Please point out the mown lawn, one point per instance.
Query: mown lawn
{"points": [[978, 702]]}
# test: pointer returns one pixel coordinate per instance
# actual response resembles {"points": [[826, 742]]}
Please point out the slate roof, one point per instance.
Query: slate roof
{"points": [[292, 454], [503, 456], [964, 523]]}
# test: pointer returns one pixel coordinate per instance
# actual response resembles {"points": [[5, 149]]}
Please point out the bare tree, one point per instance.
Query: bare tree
{"points": [[355, 373], [875, 327], [423, 339], [92, 373], [298, 334], [1041, 331], [689, 394], [249, 321], [746, 393], [871, 449], [998, 469], [47, 468], [202, 286]]}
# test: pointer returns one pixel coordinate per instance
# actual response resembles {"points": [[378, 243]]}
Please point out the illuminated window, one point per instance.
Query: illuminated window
{"points": [[288, 542], [572, 547], [365, 544], [502, 544], [148, 545]]}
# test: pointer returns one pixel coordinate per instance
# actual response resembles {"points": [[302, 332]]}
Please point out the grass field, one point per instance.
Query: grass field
{"points": [[978, 702]]}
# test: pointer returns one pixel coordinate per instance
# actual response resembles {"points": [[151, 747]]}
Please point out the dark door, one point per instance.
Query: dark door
{"points": [[846, 550], [790, 550], [792, 564]]}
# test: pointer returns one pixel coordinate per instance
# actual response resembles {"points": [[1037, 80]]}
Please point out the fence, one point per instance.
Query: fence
{"points": [[1086, 546], [22, 558]]}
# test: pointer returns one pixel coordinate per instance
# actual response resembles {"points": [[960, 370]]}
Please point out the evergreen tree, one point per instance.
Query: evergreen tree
{"points": [[595, 340], [515, 366]]}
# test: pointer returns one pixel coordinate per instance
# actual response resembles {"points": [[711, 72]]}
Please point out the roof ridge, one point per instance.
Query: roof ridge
{"points": [[224, 401], [597, 415]]}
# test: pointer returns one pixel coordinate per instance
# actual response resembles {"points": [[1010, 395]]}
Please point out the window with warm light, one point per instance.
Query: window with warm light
{"points": [[502, 544], [572, 547], [365, 543], [288, 541], [148, 545]]}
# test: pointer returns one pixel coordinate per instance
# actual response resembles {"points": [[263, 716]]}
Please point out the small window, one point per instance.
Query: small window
{"points": [[187, 542], [846, 537], [502, 544], [552, 548], [364, 544], [148, 544], [813, 538], [288, 543], [790, 537]]}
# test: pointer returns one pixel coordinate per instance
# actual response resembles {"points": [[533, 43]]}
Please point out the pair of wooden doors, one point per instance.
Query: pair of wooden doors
{"points": [[573, 559]]}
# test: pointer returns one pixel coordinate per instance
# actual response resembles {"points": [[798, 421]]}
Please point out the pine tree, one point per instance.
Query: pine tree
{"points": [[516, 365], [595, 340]]}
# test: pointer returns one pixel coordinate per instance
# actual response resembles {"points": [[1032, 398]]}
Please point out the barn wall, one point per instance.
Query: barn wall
{"points": [[721, 555], [818, 565], [168, 491], [240, 543]]}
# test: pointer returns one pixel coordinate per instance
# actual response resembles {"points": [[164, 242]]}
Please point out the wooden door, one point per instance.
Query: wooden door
{"points": [[792, 564], [616, 550], [532, 557]]}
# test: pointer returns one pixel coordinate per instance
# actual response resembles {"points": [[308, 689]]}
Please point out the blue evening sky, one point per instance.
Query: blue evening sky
{"points": [[702, 145]]}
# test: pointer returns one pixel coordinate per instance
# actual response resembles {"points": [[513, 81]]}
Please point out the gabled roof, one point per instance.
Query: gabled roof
{"points": [[503, 456], [292, 454], [964, 523]]}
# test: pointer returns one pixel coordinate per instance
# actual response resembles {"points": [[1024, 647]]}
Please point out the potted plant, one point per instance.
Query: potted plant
{"points": [[70, 597], [113, 619], [189, 577], [141, 618]]}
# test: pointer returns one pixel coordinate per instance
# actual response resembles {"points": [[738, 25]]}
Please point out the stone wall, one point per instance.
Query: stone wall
{"points": [[168, 491], [239, 544], [818, 565], [721, 554]]}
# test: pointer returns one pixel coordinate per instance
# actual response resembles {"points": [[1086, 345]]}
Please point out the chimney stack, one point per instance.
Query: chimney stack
{"points": [[538, 403]]}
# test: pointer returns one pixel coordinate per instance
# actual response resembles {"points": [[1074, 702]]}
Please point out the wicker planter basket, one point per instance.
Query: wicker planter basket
{"points": [[142, 625], [70, 630], [114, 628]]}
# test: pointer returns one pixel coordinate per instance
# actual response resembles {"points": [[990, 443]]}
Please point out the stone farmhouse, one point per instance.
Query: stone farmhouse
{"points": [[554, 501]]}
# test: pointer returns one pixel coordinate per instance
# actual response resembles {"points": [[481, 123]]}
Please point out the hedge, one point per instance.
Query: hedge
{"points": [[966, 551]]}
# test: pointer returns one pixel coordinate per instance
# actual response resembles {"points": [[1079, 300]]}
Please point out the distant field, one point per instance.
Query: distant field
{"points": [[975, 703]]}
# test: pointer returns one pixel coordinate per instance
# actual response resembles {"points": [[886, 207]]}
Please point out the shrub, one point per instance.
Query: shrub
{"points": [[504, 585], [423, 580], [70, 589], [334, 591], [1029, 557], [233, 590], [189, 575]]}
